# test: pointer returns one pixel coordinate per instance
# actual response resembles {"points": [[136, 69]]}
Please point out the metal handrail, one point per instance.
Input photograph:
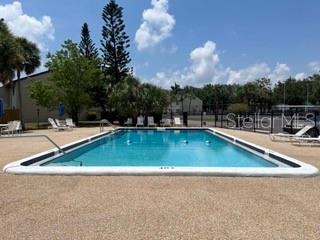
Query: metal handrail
{"points": [[36, 136], [105, 121]]}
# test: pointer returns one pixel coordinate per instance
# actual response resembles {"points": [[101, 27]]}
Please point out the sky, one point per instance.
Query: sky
{"points": [[187, 42]]}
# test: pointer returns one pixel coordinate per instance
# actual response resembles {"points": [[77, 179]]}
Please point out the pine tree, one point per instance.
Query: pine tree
{"points": [[97, 88], [114, 43], [86, 46]]}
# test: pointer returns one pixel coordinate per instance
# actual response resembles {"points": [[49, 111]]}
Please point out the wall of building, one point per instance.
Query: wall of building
{"points": [[4, 95], [29, 108], [193, 107]]}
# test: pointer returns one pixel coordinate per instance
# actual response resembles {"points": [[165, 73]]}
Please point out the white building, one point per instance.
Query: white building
{"points": [[193, 106]]}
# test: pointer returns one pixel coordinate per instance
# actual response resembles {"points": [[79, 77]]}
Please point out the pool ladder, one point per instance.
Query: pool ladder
{"points": [[103, 122]]}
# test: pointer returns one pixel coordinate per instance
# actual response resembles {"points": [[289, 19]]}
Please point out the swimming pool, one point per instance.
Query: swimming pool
{"points": [[162, 151]]}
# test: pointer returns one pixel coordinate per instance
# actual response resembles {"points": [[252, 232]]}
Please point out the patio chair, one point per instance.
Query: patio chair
{"points": [[14, 127], [177, 122], [60, 123], [7, 129], [55, 126], [129, 122], [18, 129], [69, 123], [140, 122], [307, 142], [165, 122], [151, 122], [291, 137]]}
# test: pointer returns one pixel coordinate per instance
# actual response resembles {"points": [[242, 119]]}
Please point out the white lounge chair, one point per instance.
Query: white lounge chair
{"points": [[307, 142], [55, 126], [140, 122], [18, 129], [289, 137], [61, 123], [151, 122], [129, 122], [177, 122], [165, 122], [8, 129], [14, 127], [69, 123]]}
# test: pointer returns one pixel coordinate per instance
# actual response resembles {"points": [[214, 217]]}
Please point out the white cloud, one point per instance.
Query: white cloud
{"points": [[247, 74], [157, 25], [280, 73], [23, 25], [314, 66], [204, 60], [167, 79], [206, 68], [203, 68], [300, 76]]}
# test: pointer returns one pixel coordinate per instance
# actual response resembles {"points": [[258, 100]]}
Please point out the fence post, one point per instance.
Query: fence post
{"points": [[291, 131], [271, 130], [315, 122], [254, 121], [38, 117], [296, 118], [227, 122], [185, 118], [221, 118], [201, 119], [215, 117]]}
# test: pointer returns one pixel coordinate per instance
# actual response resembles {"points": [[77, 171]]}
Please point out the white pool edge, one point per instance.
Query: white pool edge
{"points": [[305, 170]]}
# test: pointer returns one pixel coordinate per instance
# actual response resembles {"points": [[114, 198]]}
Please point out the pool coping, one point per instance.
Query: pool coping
{"points": [[290, 167]]}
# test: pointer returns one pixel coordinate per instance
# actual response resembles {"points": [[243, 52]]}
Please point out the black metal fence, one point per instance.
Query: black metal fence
{"points": [[271, 122]]}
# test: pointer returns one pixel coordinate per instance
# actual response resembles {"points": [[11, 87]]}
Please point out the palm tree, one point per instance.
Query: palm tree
{"points": [[177, 94], [17, 55], [125, 98], [8, 48], [27, 61], [189, 93]]}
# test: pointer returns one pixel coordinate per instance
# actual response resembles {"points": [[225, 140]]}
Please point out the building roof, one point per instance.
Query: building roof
{"points": [[33, 75], [27, 77]]}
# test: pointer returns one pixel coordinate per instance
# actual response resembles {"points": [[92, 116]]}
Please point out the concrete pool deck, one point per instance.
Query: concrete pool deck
{"points": [[46, 207]]}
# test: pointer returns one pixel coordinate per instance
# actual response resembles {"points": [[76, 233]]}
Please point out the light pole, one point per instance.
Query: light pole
{"points": [[284, 96], [307, 103], [307, 93]]}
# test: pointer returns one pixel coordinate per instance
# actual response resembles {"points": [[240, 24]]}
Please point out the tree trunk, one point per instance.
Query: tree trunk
{"points": [[75, 116], [20, 98], [103, 114]]}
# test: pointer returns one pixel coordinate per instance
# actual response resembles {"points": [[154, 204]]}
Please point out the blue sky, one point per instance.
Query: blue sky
{"points": [[208, 41]]}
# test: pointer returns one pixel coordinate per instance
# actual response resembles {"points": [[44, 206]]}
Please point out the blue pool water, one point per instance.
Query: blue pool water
{"points": [[183, 148]]}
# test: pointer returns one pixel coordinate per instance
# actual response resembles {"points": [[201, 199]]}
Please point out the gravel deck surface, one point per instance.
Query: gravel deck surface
{"points": [[46, 207]]}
